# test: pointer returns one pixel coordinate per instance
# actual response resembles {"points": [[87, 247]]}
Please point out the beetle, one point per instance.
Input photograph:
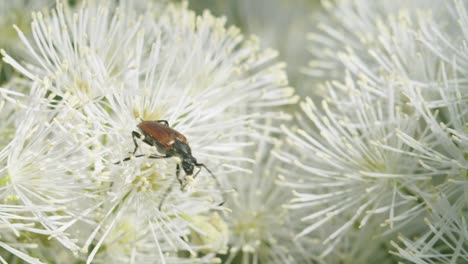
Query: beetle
{"points": [[170, 143]]}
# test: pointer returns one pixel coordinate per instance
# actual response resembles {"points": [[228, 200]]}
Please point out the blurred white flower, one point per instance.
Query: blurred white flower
{"points": [[214, 233], [132, 241], [446, 241], [360, 245], [443, 105], [261, 229], [358, 27], [342, 174], [390, 127], [42, 193], [7, 110], [106, 70]]}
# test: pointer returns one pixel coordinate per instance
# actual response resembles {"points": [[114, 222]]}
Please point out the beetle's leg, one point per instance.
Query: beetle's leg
{"points": [[129, 158], [134, 136], [153, 156], [147, 142], [138, 135], [177, 170], [166, 193], [164, 122]]}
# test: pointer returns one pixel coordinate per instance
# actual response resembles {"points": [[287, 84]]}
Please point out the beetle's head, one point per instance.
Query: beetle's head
{"points": [[188, 165]]}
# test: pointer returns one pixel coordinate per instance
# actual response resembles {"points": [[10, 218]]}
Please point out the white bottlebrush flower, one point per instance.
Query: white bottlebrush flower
{"points": [[342, 175], [261, 230], [361, 245], [447, 238], [443, 105], [377, 148], [7, 117], [357, 27], [42, 193], [132, 241], [108, 69]]}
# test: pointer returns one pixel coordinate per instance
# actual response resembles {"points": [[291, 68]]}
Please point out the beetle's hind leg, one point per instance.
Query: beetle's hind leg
{"points": [[134, 136], [152, 156]]}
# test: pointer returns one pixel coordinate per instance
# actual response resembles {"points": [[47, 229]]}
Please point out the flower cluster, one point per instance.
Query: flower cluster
{"points": [[387, 142], [92, 73], [262, 230]]}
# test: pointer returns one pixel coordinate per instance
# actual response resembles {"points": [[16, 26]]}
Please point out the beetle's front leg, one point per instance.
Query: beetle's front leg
{"points": [[178, 177]]}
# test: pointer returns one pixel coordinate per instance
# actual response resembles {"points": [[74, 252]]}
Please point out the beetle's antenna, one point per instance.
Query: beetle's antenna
{"points": [[216, 180]]}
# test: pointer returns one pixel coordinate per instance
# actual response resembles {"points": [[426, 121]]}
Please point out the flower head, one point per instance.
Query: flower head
{"points": [[107, 70], [43, 191], [376, 148], [261, 229], [446, 241]]}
